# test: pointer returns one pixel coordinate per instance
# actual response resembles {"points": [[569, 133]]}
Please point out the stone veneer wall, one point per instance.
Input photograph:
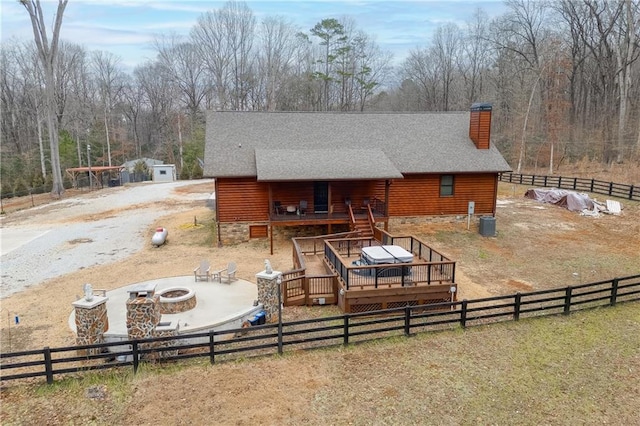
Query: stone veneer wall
{"points": [[238, 232], [418, 220], [268, 294], [235, 232], [173, 307], [91, 323], [143, 314], [164, 332]]}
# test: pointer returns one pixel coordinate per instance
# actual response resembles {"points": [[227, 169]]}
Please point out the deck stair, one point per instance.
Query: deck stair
{"points": [[363, 226]]}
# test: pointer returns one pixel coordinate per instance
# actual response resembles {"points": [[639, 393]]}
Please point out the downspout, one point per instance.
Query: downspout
{"points": [[270, 209], [495, 194], [387, 184], [217, 214]]}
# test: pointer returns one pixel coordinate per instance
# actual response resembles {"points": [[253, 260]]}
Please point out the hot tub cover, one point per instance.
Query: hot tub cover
{"points": [[386, 254]]}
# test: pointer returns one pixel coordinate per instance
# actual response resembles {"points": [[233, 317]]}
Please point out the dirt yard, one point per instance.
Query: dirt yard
{"points": [[537, 246]]}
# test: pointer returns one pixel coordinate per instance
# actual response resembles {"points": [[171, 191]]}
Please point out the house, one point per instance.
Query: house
{"points": [[304, 169]]}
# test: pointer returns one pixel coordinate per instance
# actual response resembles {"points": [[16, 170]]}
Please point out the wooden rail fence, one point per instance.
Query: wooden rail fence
{"points": [[612, 189], [314, 333]]}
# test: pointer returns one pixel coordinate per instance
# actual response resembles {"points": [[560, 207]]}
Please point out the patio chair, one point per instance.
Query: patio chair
{"points": [[229, 273], [202, 272], [277, 207], [365, 203], [303, 207]]}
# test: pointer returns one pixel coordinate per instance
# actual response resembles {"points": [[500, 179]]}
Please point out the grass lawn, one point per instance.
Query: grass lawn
{"points": [[579, 369]]}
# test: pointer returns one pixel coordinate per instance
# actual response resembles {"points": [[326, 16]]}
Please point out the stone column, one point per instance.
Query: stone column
{"points": [[91, 322], [143, 312], [164, 330], [268, 293]]}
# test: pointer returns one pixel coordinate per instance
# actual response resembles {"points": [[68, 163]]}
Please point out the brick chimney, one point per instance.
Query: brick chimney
{"points": [[480, 125]]}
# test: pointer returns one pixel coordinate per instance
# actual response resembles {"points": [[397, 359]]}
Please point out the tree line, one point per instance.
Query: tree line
{"points": [[563, 77]]}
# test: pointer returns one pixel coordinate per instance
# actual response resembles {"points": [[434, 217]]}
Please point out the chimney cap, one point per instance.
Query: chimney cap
{"points": [[481, 106]]}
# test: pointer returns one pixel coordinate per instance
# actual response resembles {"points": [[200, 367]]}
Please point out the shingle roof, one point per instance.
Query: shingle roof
{"points": [[316, 164], [325, 146]]}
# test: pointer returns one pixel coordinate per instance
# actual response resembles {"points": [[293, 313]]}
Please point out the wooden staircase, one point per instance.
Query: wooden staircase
{"points": [[362, 226]]}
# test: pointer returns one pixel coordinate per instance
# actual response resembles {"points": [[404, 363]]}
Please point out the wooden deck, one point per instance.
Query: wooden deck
{"points": [[327, 275]]}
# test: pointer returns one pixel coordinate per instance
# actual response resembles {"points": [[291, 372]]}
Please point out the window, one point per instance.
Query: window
{"points": [[163, 172], [446, 185]]}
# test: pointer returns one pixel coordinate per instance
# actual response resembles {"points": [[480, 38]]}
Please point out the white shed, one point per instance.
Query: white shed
{"points": [[164, 173]]}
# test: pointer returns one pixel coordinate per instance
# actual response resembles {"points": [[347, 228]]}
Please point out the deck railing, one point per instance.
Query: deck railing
{"points": [[431, 266], [299, 287]]}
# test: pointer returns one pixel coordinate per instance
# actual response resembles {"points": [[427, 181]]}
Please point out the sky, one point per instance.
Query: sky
{"points": [[126, 28]]}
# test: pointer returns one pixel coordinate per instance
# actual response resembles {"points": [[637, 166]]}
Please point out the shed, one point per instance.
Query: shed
{"points": [[164, 173]]}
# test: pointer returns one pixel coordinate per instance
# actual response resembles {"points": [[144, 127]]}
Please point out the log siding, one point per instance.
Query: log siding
{"points": [[419, 195]]}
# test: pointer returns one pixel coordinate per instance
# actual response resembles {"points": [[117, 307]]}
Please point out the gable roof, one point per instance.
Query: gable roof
{"points": [[275, 146]]}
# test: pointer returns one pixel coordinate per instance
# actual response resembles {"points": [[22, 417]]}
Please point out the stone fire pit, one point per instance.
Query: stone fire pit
{"points": [[176, 299]]}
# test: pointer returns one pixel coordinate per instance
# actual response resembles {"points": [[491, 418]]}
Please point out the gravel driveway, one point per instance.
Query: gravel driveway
{"points": [[104, 226]]}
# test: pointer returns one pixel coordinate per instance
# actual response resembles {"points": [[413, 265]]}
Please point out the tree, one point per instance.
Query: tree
{"points": [[224, 39], [278, 47], [110, 85], [331, 32], [48, 54], [477, 57]]}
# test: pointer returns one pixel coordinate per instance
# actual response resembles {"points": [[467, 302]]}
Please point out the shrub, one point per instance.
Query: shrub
{"points": [[197, 172]]}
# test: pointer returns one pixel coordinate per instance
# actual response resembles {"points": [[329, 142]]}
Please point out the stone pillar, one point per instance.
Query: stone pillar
{"points": [[163, 330], [91, 322], [268, 293], [143, 311]]}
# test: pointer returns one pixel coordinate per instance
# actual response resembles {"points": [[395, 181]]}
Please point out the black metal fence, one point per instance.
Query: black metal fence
{"points": [[612, 189], [315, 333]]}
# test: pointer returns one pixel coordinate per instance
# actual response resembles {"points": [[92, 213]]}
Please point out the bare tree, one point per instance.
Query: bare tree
{"points": [[627, 51], [48, 53], [185, 66], [209, 36], [277, 36], [446, 45], [477, 57], [420, 69], [110, 82]]}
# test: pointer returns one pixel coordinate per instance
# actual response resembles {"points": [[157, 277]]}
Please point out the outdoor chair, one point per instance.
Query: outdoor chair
{"points": [[202, 272], [365, 203], [277, 207], [303, 207], [229, 273]]}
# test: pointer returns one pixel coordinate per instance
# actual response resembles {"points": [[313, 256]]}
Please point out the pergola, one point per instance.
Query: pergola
{"points": [[96, 173]]}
